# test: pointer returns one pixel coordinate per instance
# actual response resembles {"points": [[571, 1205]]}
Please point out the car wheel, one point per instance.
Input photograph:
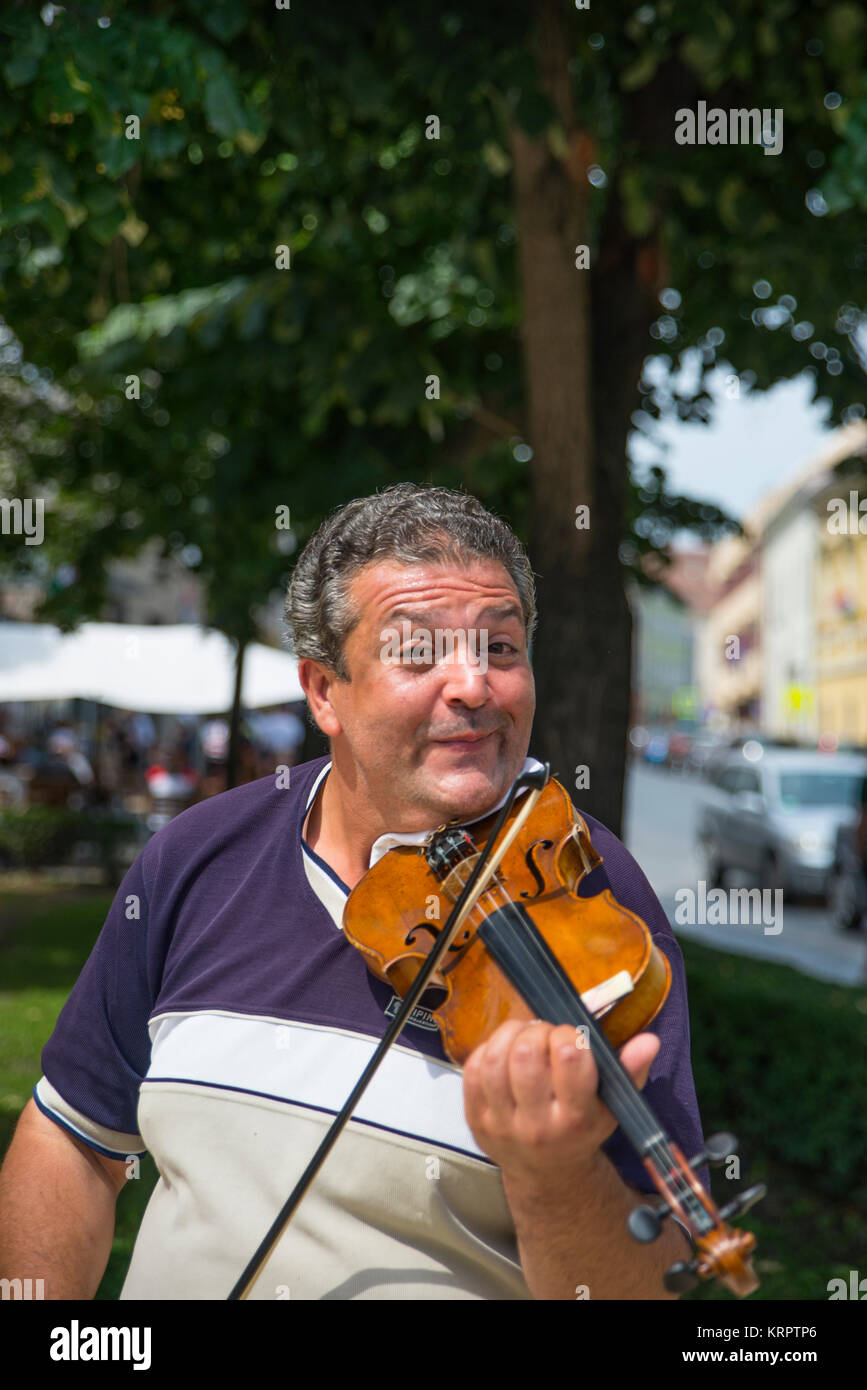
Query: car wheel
{"points": [[770, 876], [713, 872], [842, 899]]}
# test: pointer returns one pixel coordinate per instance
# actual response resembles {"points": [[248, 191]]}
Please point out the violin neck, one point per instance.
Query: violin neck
{"points": [[528, 962]]}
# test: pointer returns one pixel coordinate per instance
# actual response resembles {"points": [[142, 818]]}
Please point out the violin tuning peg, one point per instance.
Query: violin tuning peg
{"points": [[717, 1149], [645, 1222], [681, 1277], [743, 1201]]}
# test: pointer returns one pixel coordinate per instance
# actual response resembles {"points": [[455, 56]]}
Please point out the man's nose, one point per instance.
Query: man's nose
{"points": [[465, 677]]}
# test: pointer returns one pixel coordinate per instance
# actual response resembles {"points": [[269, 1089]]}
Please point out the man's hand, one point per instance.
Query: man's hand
{"points": [[531, 1102]]}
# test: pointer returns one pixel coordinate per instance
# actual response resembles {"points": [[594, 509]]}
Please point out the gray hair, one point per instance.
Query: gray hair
{"points": [[404, 522]]}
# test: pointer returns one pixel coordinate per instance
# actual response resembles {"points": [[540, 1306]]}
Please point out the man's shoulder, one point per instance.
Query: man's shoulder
{"points": [[248, 809], [621, 872], [609, 845]]}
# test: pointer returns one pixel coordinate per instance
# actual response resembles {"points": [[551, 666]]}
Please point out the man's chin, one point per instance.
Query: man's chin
{"points": [[470, 790]]}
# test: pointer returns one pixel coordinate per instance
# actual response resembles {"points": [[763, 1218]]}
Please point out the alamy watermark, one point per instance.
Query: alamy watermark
{"points": [[416, 646], [77, 1343], [730, 907], [855, 1289], [23, 517], [27, 1289], [736, 127], [847, 520]]}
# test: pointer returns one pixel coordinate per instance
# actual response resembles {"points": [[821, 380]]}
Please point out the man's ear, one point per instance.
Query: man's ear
{"points": [[317, 682]]}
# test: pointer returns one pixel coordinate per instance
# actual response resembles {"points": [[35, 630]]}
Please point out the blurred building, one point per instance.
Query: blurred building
{"points": [[728, 664], [148, 588], [782, 648], [152, 588], [806, 631], [663, 640], [840, 607], [789, 552]]}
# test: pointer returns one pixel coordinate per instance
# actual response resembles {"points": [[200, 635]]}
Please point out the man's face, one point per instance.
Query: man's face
{"points": [[447, 736]]}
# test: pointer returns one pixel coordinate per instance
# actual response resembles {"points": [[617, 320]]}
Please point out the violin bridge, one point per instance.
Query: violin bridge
{"points": [[602, 996]]}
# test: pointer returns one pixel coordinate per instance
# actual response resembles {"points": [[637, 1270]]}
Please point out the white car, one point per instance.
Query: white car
{"points": [[775, 814]]}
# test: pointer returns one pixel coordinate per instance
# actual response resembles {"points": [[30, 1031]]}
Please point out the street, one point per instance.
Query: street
{"points": [[659, 830]]}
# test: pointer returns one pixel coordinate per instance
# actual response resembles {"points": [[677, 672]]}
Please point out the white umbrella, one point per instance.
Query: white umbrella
{"points": [[179, 668]]}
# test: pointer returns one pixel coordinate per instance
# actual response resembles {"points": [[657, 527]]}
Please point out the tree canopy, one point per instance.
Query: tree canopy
{"points": [[263, 258]]}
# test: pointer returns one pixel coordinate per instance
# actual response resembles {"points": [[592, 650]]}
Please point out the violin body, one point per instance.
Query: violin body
{"points": [[542, 871]]}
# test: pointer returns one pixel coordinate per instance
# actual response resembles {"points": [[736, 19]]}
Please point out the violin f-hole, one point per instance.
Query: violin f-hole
{"points": [[534, 868], [457, 945]]}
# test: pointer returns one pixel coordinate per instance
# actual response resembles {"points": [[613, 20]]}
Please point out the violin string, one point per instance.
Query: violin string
{"points": [[633, 1104]]}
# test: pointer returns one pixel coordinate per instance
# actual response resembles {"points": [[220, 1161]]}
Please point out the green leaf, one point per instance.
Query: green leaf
{"points": [[222, 18], [222, 108], [496, 158], [102, 229], [641, 71], [766, 37], [15, 185], [53, 218], [253, 135], [694, 194], [31, 38], [54, 91], [20, 69], [701, 55], [638, 207], [251, 318], [99, 199], [62, 181], [727, 199], [17, 26], [845, 23], [117, 154], [165, 141]]}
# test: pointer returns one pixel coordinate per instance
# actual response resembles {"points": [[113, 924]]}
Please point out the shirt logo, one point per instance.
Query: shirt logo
{"points": [[420, 1018]]}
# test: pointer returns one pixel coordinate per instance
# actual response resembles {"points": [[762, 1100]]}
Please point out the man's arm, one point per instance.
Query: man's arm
{"points": [[531, 1103], [57, 1208], [573, 1241]]}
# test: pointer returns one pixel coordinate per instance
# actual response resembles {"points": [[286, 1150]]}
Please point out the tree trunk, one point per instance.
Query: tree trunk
{"points": [[581, 652], [626, 283], [233, 756]]}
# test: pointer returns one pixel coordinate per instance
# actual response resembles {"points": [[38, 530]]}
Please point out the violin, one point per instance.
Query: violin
{"points": [[519, 942]]}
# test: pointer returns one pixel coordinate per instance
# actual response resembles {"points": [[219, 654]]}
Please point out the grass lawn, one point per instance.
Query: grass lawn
{"points": [[40, 958], [778, 1059]]}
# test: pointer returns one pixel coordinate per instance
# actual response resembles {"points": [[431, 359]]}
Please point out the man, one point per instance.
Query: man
{"points": [[223, 1018]]}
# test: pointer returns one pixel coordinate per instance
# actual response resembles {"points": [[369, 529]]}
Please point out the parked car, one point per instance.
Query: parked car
{"points": [[847, 884], [656, 748], [775, 814], [638, 738], [679, 744], [702, 748]]}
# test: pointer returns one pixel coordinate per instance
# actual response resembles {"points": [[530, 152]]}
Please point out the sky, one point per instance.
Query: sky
{"points": [[753, 445]]}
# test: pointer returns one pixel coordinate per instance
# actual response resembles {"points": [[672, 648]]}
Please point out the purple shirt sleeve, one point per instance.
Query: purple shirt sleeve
{"points": [[99, 1050]]}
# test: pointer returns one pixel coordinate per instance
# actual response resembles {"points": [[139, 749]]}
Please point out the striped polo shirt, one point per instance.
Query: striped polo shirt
{"points": [[221, 1021]]}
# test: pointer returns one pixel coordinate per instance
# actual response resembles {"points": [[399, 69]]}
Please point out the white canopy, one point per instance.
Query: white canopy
{"points": [[178, 669]]}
